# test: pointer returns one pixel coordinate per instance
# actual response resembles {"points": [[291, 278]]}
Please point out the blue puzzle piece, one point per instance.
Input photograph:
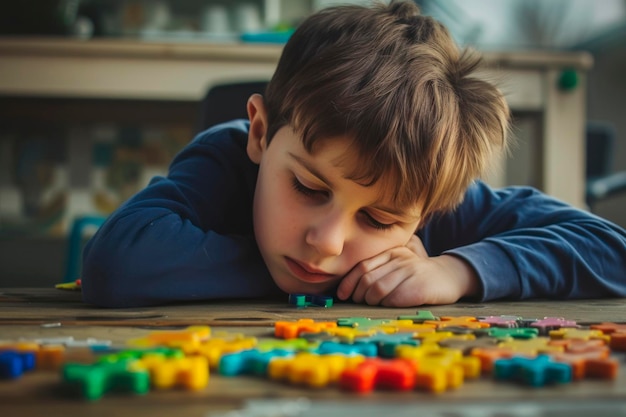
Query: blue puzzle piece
{"points": [[249, 362], [535, 372], [13, 363], [386, 343], [330, 347]]}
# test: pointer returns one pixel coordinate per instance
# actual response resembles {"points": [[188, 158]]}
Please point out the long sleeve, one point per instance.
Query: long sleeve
{"points": [[188, 236], [525, 244]]}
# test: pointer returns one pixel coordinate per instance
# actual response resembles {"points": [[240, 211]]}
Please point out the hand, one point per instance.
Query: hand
{"points": [[406, 277]]}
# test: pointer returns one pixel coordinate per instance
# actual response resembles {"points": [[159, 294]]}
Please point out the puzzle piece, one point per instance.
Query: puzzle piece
{"points": [[420, 317], [617, 333], [14, 363], [361, 322], [589, 363], [536, 372], [214, 348], [364, 349], [306, 300], [47, 357], [313, 370], [489, 355], [435, 338], [300, 344], [391, 374], [386, 344], [460, 321], [191, 373], [291, 330], [467, 346], [618, 342], [439, 369], [571, 333], [531, 347], [609, 328], [249, 362], [552, 323], [174, 338], [92, 381], [134, 354], [405, 326], [501, 321], [508, 333]]}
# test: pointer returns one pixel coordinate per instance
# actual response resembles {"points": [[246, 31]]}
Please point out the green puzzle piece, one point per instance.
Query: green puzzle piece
{"points": [[94, 380], [420, 317]]}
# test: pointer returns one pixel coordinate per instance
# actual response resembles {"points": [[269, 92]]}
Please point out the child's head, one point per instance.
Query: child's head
{"points": [[371, 123], [396, 83]]}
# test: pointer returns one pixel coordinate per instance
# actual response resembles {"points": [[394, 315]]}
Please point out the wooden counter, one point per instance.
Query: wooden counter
{"points": [[31, 313]]}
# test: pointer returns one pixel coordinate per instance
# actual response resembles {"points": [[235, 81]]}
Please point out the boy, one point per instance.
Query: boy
{"points": [[355, 176]]}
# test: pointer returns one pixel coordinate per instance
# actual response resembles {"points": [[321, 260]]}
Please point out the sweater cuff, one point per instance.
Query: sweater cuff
{"points": [[497, 275]]}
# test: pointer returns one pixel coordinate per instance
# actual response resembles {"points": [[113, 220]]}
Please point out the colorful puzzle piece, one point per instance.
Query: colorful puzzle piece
{"points": [[47, 357], [249, 362], [306, 300], [361, 322], [420, 317], [174, 338], [390, 374], [94, 380], [311, 369], [501, 321], [14, 363], [461, 321], [291, 330], [439, 369], [536, 372], [191, 373], [386, 344], [214, 348], [552, 323]]}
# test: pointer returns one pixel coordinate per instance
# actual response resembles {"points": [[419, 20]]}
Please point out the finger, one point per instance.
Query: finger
{"points": [[384, 286], [416, 246], [370, 282], [406, 294], [350, 282]]}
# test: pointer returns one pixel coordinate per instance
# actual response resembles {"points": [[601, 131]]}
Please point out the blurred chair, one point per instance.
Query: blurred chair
{"points": [[601, 181], [225, 102]]}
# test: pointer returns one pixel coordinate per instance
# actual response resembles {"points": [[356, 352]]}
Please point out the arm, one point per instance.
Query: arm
{"points": [[524, 244], [184, 237]]}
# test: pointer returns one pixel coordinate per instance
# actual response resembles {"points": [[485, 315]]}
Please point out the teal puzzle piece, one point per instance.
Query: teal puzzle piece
{"points": [[536, 372], [249, 362], [306, 300]]}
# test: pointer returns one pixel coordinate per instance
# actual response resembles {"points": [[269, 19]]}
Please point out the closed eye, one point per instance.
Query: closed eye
{"points": [[306, 191], [371, 221]]}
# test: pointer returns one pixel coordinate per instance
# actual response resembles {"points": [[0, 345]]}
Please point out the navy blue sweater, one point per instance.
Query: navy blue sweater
{"points": [[189, 236]]}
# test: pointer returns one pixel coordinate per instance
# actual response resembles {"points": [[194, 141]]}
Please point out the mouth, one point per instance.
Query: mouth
{"points": [[308, 274]]}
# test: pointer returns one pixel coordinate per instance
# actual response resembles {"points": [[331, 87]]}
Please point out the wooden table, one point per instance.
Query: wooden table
{"points": [[31, 313]]}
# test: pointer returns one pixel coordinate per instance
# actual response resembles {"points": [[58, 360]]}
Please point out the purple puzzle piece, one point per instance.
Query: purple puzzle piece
{"points": [[552, 323]]}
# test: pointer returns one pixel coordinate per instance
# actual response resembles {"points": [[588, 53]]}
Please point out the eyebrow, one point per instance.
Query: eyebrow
{"points": [[311, 168]]}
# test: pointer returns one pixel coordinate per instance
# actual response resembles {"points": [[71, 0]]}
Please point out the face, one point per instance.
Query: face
{"points": [[312, 224]]}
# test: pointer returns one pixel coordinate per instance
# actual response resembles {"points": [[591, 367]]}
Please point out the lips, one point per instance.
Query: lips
{"points": [[308, 274]]}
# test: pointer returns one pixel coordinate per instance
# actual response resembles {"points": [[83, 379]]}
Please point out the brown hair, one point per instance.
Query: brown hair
{"points": [[395, 82]]}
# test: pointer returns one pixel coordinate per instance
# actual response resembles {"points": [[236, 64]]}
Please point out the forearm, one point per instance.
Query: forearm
{"points": [[580, 259], [150, 258]]}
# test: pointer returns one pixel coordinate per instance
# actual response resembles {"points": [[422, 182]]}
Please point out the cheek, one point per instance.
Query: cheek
{"points": [[276, 217]]}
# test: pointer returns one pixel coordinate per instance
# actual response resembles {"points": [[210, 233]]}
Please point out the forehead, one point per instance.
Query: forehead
{"points": [[341, 153]]}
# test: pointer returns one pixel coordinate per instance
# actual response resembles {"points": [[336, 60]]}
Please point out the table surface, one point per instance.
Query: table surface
{"points": [[32, 313]]}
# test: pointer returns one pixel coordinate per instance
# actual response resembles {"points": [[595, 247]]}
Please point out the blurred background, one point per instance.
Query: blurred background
{"points": [[97, 96]]}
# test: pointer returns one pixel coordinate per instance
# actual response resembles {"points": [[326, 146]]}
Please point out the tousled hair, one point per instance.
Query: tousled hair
{"points": [[396, 83]]}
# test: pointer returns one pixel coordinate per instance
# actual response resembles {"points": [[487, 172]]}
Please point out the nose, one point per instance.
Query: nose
{"points": [[327, 234]]}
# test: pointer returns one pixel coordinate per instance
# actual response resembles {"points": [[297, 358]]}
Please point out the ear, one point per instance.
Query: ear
{"points": [[257, 136]]}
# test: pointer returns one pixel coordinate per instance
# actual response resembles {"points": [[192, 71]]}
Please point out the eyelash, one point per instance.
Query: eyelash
{"points": [[311, 193]]}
